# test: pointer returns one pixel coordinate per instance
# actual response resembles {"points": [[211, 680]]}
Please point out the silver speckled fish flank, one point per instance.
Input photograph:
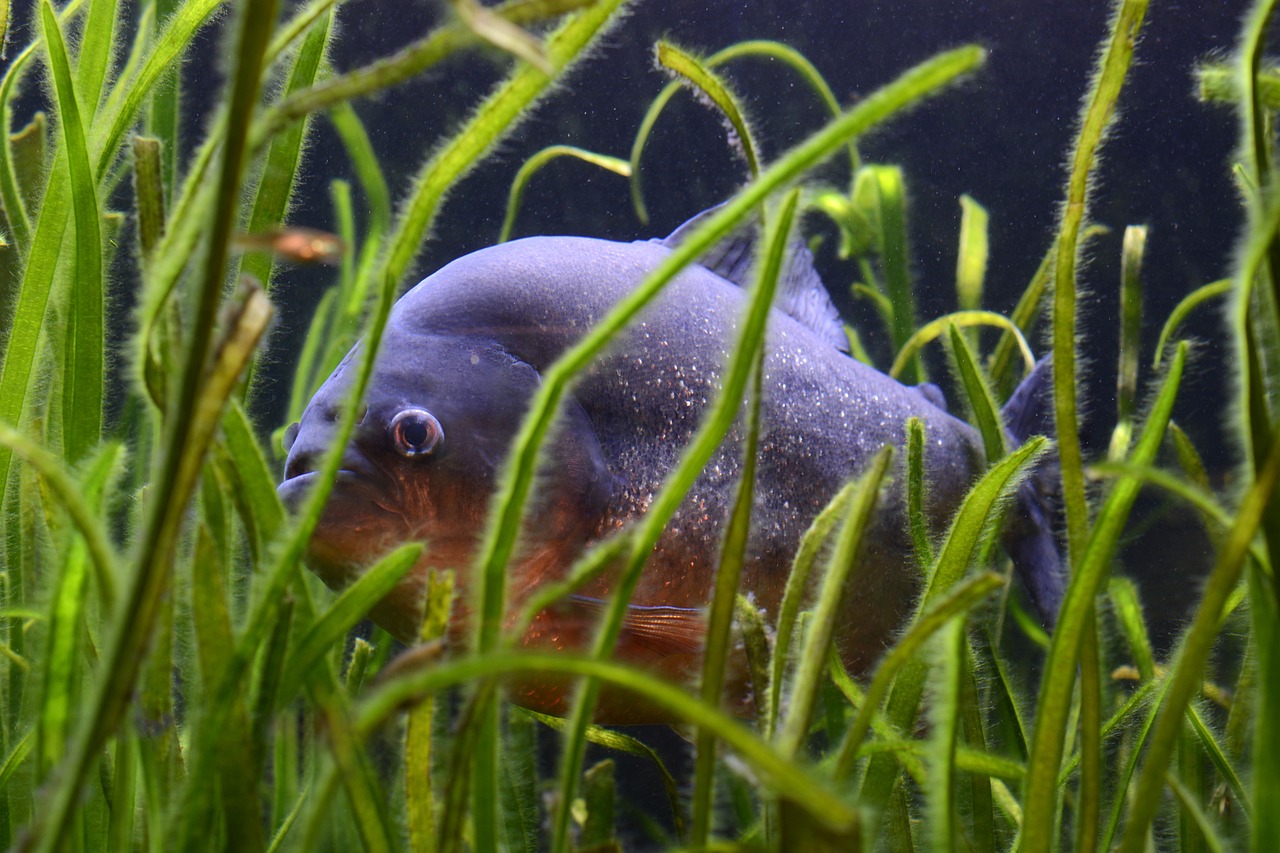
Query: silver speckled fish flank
{"points": [[462, 356]]}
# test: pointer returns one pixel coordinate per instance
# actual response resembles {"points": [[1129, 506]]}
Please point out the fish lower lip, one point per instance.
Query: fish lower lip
{"points": [[354, 482], [306, 479], [307, 476]]}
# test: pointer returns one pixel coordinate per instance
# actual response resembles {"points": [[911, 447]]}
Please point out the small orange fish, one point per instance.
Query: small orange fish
{"points": [[296, 243]]}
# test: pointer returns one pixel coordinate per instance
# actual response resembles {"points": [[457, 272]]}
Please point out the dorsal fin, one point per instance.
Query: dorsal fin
{"points": [[1029, 410], [801, 293]]}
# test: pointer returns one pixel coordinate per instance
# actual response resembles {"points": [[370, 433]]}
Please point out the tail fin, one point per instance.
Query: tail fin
{"points": [[1029, 535]]}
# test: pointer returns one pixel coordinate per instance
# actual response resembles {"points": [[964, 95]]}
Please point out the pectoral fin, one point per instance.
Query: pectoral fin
{"points": [[651, 633]]}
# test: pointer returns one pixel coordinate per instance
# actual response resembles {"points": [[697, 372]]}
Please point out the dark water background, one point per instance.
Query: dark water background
{"points": [[1003, 137]]}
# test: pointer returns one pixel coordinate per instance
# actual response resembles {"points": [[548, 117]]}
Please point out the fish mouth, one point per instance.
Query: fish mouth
{"points": [[351, 490]]}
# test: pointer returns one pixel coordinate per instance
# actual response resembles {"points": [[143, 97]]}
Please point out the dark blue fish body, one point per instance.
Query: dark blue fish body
{"points": [[462, 356]]}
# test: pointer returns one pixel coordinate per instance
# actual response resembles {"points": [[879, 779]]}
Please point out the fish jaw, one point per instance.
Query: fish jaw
{"points": [[356, 528]]}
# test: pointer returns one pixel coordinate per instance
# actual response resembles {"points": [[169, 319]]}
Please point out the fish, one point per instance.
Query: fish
{"points": [[297, 244], [463, 355]]}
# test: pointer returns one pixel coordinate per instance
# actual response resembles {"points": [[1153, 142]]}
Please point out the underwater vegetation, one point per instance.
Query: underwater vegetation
{"points": [[172, 677]]}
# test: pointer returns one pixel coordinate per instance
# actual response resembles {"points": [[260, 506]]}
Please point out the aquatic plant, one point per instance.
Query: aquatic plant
{"points": [[173, 678]]}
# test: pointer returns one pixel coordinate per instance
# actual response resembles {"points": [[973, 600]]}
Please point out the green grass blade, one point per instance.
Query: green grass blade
{"points": [[891, 195], [148, 190], [1217, 755], [1113, 66], [124, 103], [1128, 613], [718, 643], [351, 606], [1194, 652], [12, 195], [1183, 309], [970, 535], [94, 58], [1026, 313], [502, 34], [971, 260], [959, 600], [763, 48], [255, 482], [793, 597], [916, 491], [83, 384], [945, 716], [613, 739], [410, 62], [1135, 241], [937, 328], [377, 196], [537, 161], [979, 398], [70, 494], [821, 632], [715, 90], [1041, 797], [783, 774], [1089, 791], [284, 156]]}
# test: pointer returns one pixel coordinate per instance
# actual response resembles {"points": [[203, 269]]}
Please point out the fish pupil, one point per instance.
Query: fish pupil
{"points": [[415, 432]]}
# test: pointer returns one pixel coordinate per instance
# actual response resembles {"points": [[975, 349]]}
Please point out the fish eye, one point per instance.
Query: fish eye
{"points": [[414, 432]]}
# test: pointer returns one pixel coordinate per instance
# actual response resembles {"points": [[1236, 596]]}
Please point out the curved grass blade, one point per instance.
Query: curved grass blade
{"points": [[715, 90], [762, 48], [1189, 303], [124, 103], [502, 34], [531, 166], [799, 782], [412, 61], [1040, 800], [937, 328], [1195, 496], [612, 739]]}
